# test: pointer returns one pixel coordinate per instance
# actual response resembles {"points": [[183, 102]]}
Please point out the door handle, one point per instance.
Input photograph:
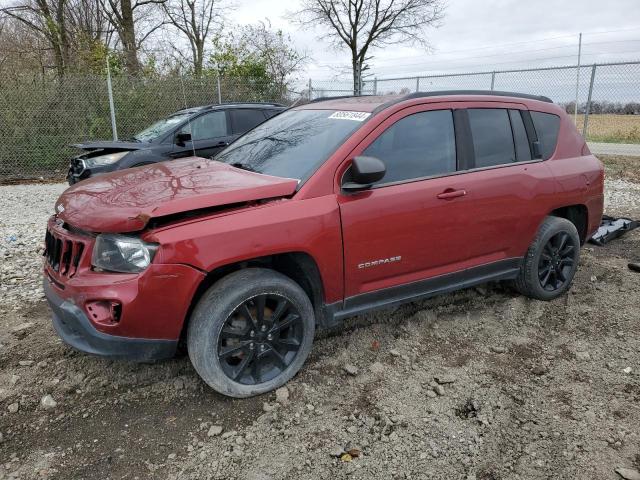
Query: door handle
{"points": [[450, 193], [221, 144]]}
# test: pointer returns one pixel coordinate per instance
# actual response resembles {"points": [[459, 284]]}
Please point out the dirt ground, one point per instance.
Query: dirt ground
{"points": [[481, 384]]}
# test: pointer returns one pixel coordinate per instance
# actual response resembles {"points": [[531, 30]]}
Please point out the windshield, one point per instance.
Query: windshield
{"points": [[161, 127], [293, 144]]}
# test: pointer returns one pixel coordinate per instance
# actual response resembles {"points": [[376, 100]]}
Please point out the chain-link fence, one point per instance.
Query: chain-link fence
{"points": [[41, 119], [608, 95]]}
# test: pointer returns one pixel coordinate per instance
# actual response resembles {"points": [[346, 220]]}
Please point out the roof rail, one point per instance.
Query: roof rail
{"points": [[496, 93], [337, 97], [270, 104]]}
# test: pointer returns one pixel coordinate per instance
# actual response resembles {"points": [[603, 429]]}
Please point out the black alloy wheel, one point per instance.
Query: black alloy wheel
{"points": [[260, 339], [557, 261]]}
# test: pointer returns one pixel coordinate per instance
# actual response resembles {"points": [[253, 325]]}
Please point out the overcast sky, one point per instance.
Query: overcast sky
{"points": [[480, 35]]}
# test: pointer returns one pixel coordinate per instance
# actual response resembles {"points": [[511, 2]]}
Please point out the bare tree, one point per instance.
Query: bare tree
{"points": [[196, 19], [365, 24], [134, 21], [276, 50], [48, 18]]}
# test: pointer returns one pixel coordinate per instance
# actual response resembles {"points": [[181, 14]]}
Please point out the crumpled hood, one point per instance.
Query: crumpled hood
{"points": [[126, 200]]}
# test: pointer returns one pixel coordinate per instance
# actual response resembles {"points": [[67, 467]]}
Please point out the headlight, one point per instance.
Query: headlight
{"points": [[104, 159], [120, 253]]}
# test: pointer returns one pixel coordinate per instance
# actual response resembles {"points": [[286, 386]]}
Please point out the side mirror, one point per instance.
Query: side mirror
{"points": [[182, 137], [363, 172]]}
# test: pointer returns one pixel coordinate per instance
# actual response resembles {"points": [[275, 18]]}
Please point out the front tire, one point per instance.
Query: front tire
{"points": [[251, 332], [551, 261]]}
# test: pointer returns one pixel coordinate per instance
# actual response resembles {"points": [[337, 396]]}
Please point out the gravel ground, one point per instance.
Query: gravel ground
{"points": [[480, 384]]}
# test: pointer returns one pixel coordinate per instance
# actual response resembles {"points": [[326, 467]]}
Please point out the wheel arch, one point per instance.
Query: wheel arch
{"points": [[578, 215], [298, 266]]}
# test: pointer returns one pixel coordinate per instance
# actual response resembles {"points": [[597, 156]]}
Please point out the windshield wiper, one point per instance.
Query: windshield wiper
{"points": [[244, 166]]}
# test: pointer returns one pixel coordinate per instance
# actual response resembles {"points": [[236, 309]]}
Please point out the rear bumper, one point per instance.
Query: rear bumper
{"points": [[75, 329]]}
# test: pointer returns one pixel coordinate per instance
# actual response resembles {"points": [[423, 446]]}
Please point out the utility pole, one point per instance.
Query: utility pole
{"points": [[112, 110], [575, 111]]}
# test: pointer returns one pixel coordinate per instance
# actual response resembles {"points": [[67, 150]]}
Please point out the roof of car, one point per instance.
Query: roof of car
{"points": [[371, 103], [217, 106]]}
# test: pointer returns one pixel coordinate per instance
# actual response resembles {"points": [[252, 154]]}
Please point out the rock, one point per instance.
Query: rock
{"points": [[594, 278], [336, 451], [172, 456], [583, 356], [627, 370], [22, 327], [444, 379], [229, 434], [352, 429], [350, 369], [377, 367], [499, 349], [439, 389], [13, 408], [14, 379], [268, 407], [282, 395], [47, 402], [431, 394], [1, 437], [628, 473], [539, 370], [214, 431], [26, 363], [178, 383], [394, 353]]}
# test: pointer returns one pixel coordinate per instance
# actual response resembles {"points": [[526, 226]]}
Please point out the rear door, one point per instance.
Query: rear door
{"points": [[507, 190], [210, 133], [244, 119]]}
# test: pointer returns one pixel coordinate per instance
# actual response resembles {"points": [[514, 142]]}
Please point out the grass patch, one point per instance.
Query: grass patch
{"points": [[620, 167], [612, 128]]}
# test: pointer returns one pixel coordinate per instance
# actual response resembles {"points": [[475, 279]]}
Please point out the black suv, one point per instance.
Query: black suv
{"points": [[201, 131]]}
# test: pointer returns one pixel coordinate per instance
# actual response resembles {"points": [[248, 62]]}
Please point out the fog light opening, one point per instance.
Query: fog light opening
{"points": [[104, 312]]}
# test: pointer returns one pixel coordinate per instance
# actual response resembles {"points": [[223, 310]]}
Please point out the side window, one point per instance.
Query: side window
{"points": [[547, 126], [492, 137], [419, 145], [271, 113], [523, 151], [210, 125], [245, 119]]}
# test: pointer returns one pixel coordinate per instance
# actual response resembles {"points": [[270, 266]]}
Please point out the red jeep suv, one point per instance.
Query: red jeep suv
{"points": [[326, 211]]}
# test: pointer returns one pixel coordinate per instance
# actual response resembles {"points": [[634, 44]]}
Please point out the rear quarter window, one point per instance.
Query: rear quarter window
{"points": [[547, 126]]}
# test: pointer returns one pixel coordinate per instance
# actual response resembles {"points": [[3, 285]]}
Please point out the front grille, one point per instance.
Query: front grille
{"points": [[63, 254]]}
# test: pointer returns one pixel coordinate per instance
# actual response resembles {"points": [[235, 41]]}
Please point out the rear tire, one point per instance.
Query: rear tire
{"points": [[551, 261], [251, 332]]}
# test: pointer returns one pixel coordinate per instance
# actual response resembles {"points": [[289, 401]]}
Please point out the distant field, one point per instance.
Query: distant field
{"points": [[612, 128]]}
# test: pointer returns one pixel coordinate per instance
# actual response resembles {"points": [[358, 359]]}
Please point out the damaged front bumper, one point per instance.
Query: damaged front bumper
{"points": [[75, 329]]}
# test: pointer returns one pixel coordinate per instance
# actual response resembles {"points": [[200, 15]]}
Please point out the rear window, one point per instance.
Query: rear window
{"points": [[245, 119], [492, 137], [547, 126]]}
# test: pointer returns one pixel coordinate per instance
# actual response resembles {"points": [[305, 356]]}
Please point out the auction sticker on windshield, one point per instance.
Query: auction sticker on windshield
{"points": [[357, 116]]}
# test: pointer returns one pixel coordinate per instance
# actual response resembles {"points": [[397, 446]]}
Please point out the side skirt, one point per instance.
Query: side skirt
{"points": [[389, 297]]}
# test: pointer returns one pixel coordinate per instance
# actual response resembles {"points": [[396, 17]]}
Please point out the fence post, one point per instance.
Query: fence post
{"points": [[310, 90], [375, 85], [493, 80], [417, 84], [112, 110], [588, 107], [219, 89]]}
